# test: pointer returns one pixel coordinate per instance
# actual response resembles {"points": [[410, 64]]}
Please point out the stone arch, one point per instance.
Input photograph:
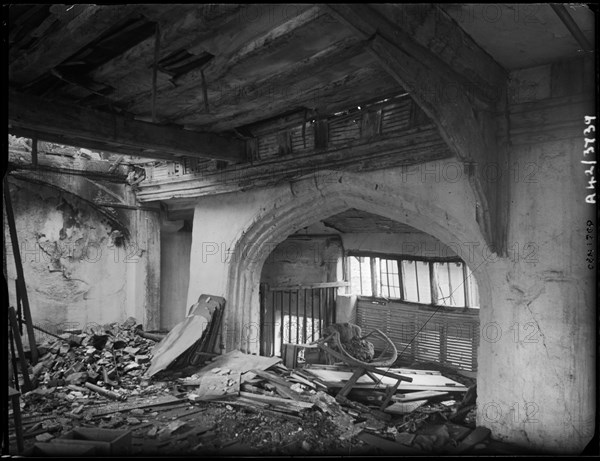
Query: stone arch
{"points": [[314, 199]]}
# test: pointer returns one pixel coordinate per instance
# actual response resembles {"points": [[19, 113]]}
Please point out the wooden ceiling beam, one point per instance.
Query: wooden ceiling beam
{"points": [[83, 127], [320, 99], [178, 29], [416, 146], [224, 99], [64, 42], [467, 126], [231, 44]]}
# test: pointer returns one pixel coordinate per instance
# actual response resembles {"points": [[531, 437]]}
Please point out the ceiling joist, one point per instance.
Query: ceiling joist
{"points": [[79, 126], [67, 40], [440, 88]]}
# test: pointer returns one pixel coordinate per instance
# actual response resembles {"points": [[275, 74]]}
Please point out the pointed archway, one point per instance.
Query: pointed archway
{"points": [[315, 198]]}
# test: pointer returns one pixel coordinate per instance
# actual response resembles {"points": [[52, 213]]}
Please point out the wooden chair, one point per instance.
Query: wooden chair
{"points": [[385, 359]]}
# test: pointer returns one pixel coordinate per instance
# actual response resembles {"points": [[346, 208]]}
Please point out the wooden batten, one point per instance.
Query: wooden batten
{"points": [[116, 133]]}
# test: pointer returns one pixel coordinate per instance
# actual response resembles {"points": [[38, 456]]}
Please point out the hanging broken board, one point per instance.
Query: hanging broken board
{"points": [[185, 334]]}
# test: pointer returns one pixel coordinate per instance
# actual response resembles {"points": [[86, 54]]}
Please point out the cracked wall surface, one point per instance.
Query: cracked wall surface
{"points": [[76, 263], [536, 377]]}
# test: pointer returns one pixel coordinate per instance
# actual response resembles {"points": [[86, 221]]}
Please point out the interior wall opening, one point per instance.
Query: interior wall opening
{"points": [[377, 273]]}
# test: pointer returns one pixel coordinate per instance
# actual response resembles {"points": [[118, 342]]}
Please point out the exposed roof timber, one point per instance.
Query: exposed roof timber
{"points": [[297, 117], [432, 37], [466, 128], [276, 84], [417, 145], [246, 46], [75, 125], [67, 40], [21, 159], [317, 93], [129, 72], [176, 32], [570, 24]]}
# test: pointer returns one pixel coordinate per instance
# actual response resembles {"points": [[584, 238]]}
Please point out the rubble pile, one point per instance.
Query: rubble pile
{"points": [[112, 357], [238, 403], [297, 395]]}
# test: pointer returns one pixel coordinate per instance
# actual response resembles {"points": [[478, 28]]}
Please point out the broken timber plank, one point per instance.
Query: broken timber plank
{"points": [[418, 395], [164, 401], [239, 362], [420, 382], [68, 123], [300, 379], [216, 386], [280, 384], [401, 408], [277, 400]]}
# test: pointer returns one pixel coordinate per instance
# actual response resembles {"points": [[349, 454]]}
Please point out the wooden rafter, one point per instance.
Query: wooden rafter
{"points": [[66, 41], [439, 86], [79, 126]]}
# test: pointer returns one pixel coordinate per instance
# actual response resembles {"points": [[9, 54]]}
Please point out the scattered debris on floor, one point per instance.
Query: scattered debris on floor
{"points": [[95, 396]]}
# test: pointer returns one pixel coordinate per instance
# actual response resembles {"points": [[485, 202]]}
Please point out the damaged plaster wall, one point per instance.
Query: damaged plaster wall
{"points": [[536, 380], [71, 259], [79, 268]]}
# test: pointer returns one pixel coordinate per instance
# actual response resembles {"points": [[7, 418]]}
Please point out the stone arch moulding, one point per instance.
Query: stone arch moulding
{"points": [[310, 202]]}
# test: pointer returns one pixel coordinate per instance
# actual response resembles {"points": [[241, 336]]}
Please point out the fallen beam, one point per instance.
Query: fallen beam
{"points": [[79, 126]]}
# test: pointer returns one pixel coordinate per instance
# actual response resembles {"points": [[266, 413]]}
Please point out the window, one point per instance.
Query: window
{"points": [[360, 274], [389, 279], [450, 279], [442, 283], [416, 280]]}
